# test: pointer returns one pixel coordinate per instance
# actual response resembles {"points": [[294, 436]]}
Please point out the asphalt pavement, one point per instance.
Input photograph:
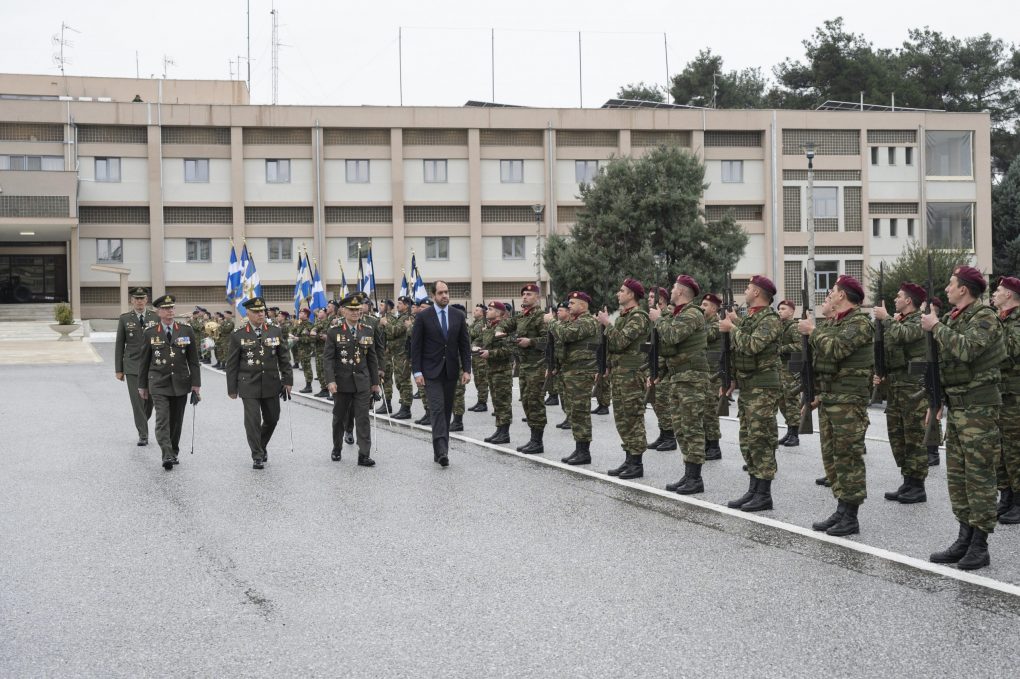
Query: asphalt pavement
{"points": [[496, 566]]}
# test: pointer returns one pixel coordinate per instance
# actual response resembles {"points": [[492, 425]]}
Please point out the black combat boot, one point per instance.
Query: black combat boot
{"points": [[635, 468], [668, 444], [616, 471], [914, 492], [672, 487], [1012, 515], [365, 461], [712, 450], [792, 437], [933, 456], [693, 484], [785, 436], [424, 419], [956, 550], [977, 553], [479, 407], [565, 424], [1005, 501], [895, 494], [384, 408], [600, 410], [581, 454], [746, 497], [847, 523], [501, 435], [762, 499], [823, 481], [553, 400], [403, 414], [664, 434], [323, 393], [834, 518], [534, 446], [457, 423], [306, 390]]}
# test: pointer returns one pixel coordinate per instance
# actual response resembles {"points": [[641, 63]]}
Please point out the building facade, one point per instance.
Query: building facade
{"points": [[159, 177]]}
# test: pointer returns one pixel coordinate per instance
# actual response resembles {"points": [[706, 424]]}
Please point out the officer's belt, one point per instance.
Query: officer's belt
{"points": [[985, 395], [631, 361]]}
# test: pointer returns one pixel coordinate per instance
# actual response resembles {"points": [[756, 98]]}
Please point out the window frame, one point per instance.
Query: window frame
{"points": [[731, 164], [278, 164], [285, 254], [352, 246], [435, 164], [876, 227], [834, 200], [831, 275], [506, 171], [107, 164], [110, 250], [437, 241], [197, 177], [930, 147], [930, 207], [581, 171], [199, 243], [514, 241], [356, 176]]}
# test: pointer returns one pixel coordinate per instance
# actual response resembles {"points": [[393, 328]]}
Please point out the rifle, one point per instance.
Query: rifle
{"points": [[880, 369], [725, 369], [601, 357], [550, 361], [807, 369], [653, 365], [932, 381]]}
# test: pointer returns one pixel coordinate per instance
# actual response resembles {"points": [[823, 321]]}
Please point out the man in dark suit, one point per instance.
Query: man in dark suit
{"points": [[168, 371], [440, 355], [126, 354], [259, 371]]}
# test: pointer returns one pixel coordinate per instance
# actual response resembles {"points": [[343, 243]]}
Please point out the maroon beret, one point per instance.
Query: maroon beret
{"points": [[496, 304], [530, 287], [851, 284], [635, 287], [1010, 283], [765, 284], [688, 282], [936, 302], [712, 298], [664, 294], [583, 296], [916, 292], [970, 275], [789, 303]]}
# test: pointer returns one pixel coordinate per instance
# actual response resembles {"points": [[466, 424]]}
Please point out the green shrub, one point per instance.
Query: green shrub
{"points": [[62, 314]]}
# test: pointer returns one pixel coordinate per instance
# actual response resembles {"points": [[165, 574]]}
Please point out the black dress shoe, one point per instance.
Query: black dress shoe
{"points": [[258, 465], [143, 441], [443, 461], [306, 390], [335, 456], [168, 464], [479, 407], [329, 398], [349, 438], [365, 461], [176, 461], [424, 419]]}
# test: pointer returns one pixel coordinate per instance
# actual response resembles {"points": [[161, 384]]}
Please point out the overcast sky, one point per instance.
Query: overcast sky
{"points": [[346, 53]]}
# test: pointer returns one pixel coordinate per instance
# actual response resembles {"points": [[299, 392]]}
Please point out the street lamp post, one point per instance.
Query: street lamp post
{"points": [[809, 151], [538, 208]]}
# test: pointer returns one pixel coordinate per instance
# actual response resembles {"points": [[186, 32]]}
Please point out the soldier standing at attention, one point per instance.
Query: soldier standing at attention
{"points": [[710, 305], [480, 365], [386, 314], [305, 346], [904, 415], [628, 371], [352, 374], [226, 327], [682, 334], [603, 394], [318, 332], [553, 319], [530, 328], [197, 324], [971, 349], [576, 338], [259, 371], [457, 423], [398, 338], [789, 391], [1007, 299], [844, 358], [754, 341], [496, 350], [658, 298], [168, 370], [126, 354]]}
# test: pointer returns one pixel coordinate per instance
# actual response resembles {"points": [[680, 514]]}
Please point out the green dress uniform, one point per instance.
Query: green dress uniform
{"points": [[789, 391], [1008, 473], [577, 340], [530, 324], [904, 414], [479, 366], [350, 362], [258, 367], [305, 349], [501, 381], [126, 356], [168, 369], [710, 414], [628, 375]]}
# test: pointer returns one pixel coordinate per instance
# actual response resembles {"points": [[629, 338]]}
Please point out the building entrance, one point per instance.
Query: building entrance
{"points": [[26, 278]]}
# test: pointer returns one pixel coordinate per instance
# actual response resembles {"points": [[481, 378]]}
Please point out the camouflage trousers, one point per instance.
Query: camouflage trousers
{"points": [[458, 399], [575, 396], [602, 392], [501, 387], [789, 397], [388, 375], [660, 403], [710, 418], [320, 368], [756, 409], [221, 349], [972, 456], [554, 386], [629, 408], [531, 379], [1008, 474], [686, 397], [481, 376], [402, 375], [904, 418], [304, 354], [841, 429]]}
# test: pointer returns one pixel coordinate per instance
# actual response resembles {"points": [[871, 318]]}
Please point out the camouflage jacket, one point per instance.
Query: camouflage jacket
{"points": [[844, 356], [971, 348], [904, 342], [683, 338], [754, 343], [789, 341], [1010, 368], [397, 334], [578, 338], [303, 331], [529, 323], [625, 338], [501, 351]]}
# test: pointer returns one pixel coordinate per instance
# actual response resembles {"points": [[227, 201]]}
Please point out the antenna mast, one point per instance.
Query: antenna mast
{"points": [[276, 55], [60, 42]]}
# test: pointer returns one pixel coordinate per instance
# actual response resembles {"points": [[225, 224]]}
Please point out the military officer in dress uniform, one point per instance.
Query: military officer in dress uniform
{"points": [[352, 374], [168, 371], [127, 353], [259, 371]]}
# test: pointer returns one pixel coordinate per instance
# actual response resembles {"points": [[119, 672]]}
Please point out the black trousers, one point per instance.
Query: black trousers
{"points": [[261, 416], [439, 396], [352, 407]]}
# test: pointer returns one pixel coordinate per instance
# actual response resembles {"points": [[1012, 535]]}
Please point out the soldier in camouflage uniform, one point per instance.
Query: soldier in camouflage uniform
{"points": [[682, 342], [576, 341], [843, 359], [223, 341], [386, 407], [197, 324], [530, 329], [498, 352], [789, 392], [305, 346], [627, 366], [479, 365], [754, 344], [603, 393], [904, 415], [1007, 300], [561, 315], [658, 298], [322, 324], [398, 336], [710, 305], [971, 349]]}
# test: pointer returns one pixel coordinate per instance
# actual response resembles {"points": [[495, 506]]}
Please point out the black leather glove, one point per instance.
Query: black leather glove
{"points": [[284, 396], [195, 398]]}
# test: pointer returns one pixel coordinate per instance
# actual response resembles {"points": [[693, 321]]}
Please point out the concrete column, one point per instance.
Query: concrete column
{"points": [[157, 246], [401, 258], [237, 185], [475, 210], [74, 273]]}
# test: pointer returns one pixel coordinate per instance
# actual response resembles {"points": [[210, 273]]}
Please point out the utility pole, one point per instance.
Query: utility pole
{"points": [[809, 151], [276, 56]]}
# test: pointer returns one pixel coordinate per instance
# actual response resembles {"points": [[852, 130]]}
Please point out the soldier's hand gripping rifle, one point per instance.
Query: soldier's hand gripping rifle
{"points": [[601, 358], [807, 369], [653, 365], [932, 381], [725, 369], [880, 369]]}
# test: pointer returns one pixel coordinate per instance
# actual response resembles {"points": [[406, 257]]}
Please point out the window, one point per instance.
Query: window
{"points": [[511, 171], [585, 171], [513, 247], [199, 249], [437, 248], [435, 171], [908, 155], [893, 224], [109, 250], [910, 228], [892, 155], [277, 171], [280, 249], [32, 163], [733, 171], [876, 227], [948, 154], [196, 170], [874, 155], [826, 202], [107, 169], [826, 274], [357, 171], [355, 245], [950, 225]]}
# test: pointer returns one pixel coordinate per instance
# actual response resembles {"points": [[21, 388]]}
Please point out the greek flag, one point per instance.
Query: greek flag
{"points": [[233, 276], [318, 294], [403, 284], [343, 282], [306, 280], [251, 284], [368, 278], [420, 294], [299, 283]]}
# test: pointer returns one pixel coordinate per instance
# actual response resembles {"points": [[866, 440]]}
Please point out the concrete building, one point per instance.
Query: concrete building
{"points": [[159, 176]]}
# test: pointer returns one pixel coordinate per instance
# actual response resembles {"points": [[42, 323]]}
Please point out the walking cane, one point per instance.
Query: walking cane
{"points": [[195, 398], [290, 420], [371, 426]]}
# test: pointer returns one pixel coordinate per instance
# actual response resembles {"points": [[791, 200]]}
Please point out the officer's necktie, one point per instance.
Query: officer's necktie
{"points": [[169, 335], [442, 321], [141, 319], [258, 332]]}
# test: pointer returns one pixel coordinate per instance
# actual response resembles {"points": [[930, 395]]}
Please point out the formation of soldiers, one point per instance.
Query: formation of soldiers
{"points": [[686, 353]]}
